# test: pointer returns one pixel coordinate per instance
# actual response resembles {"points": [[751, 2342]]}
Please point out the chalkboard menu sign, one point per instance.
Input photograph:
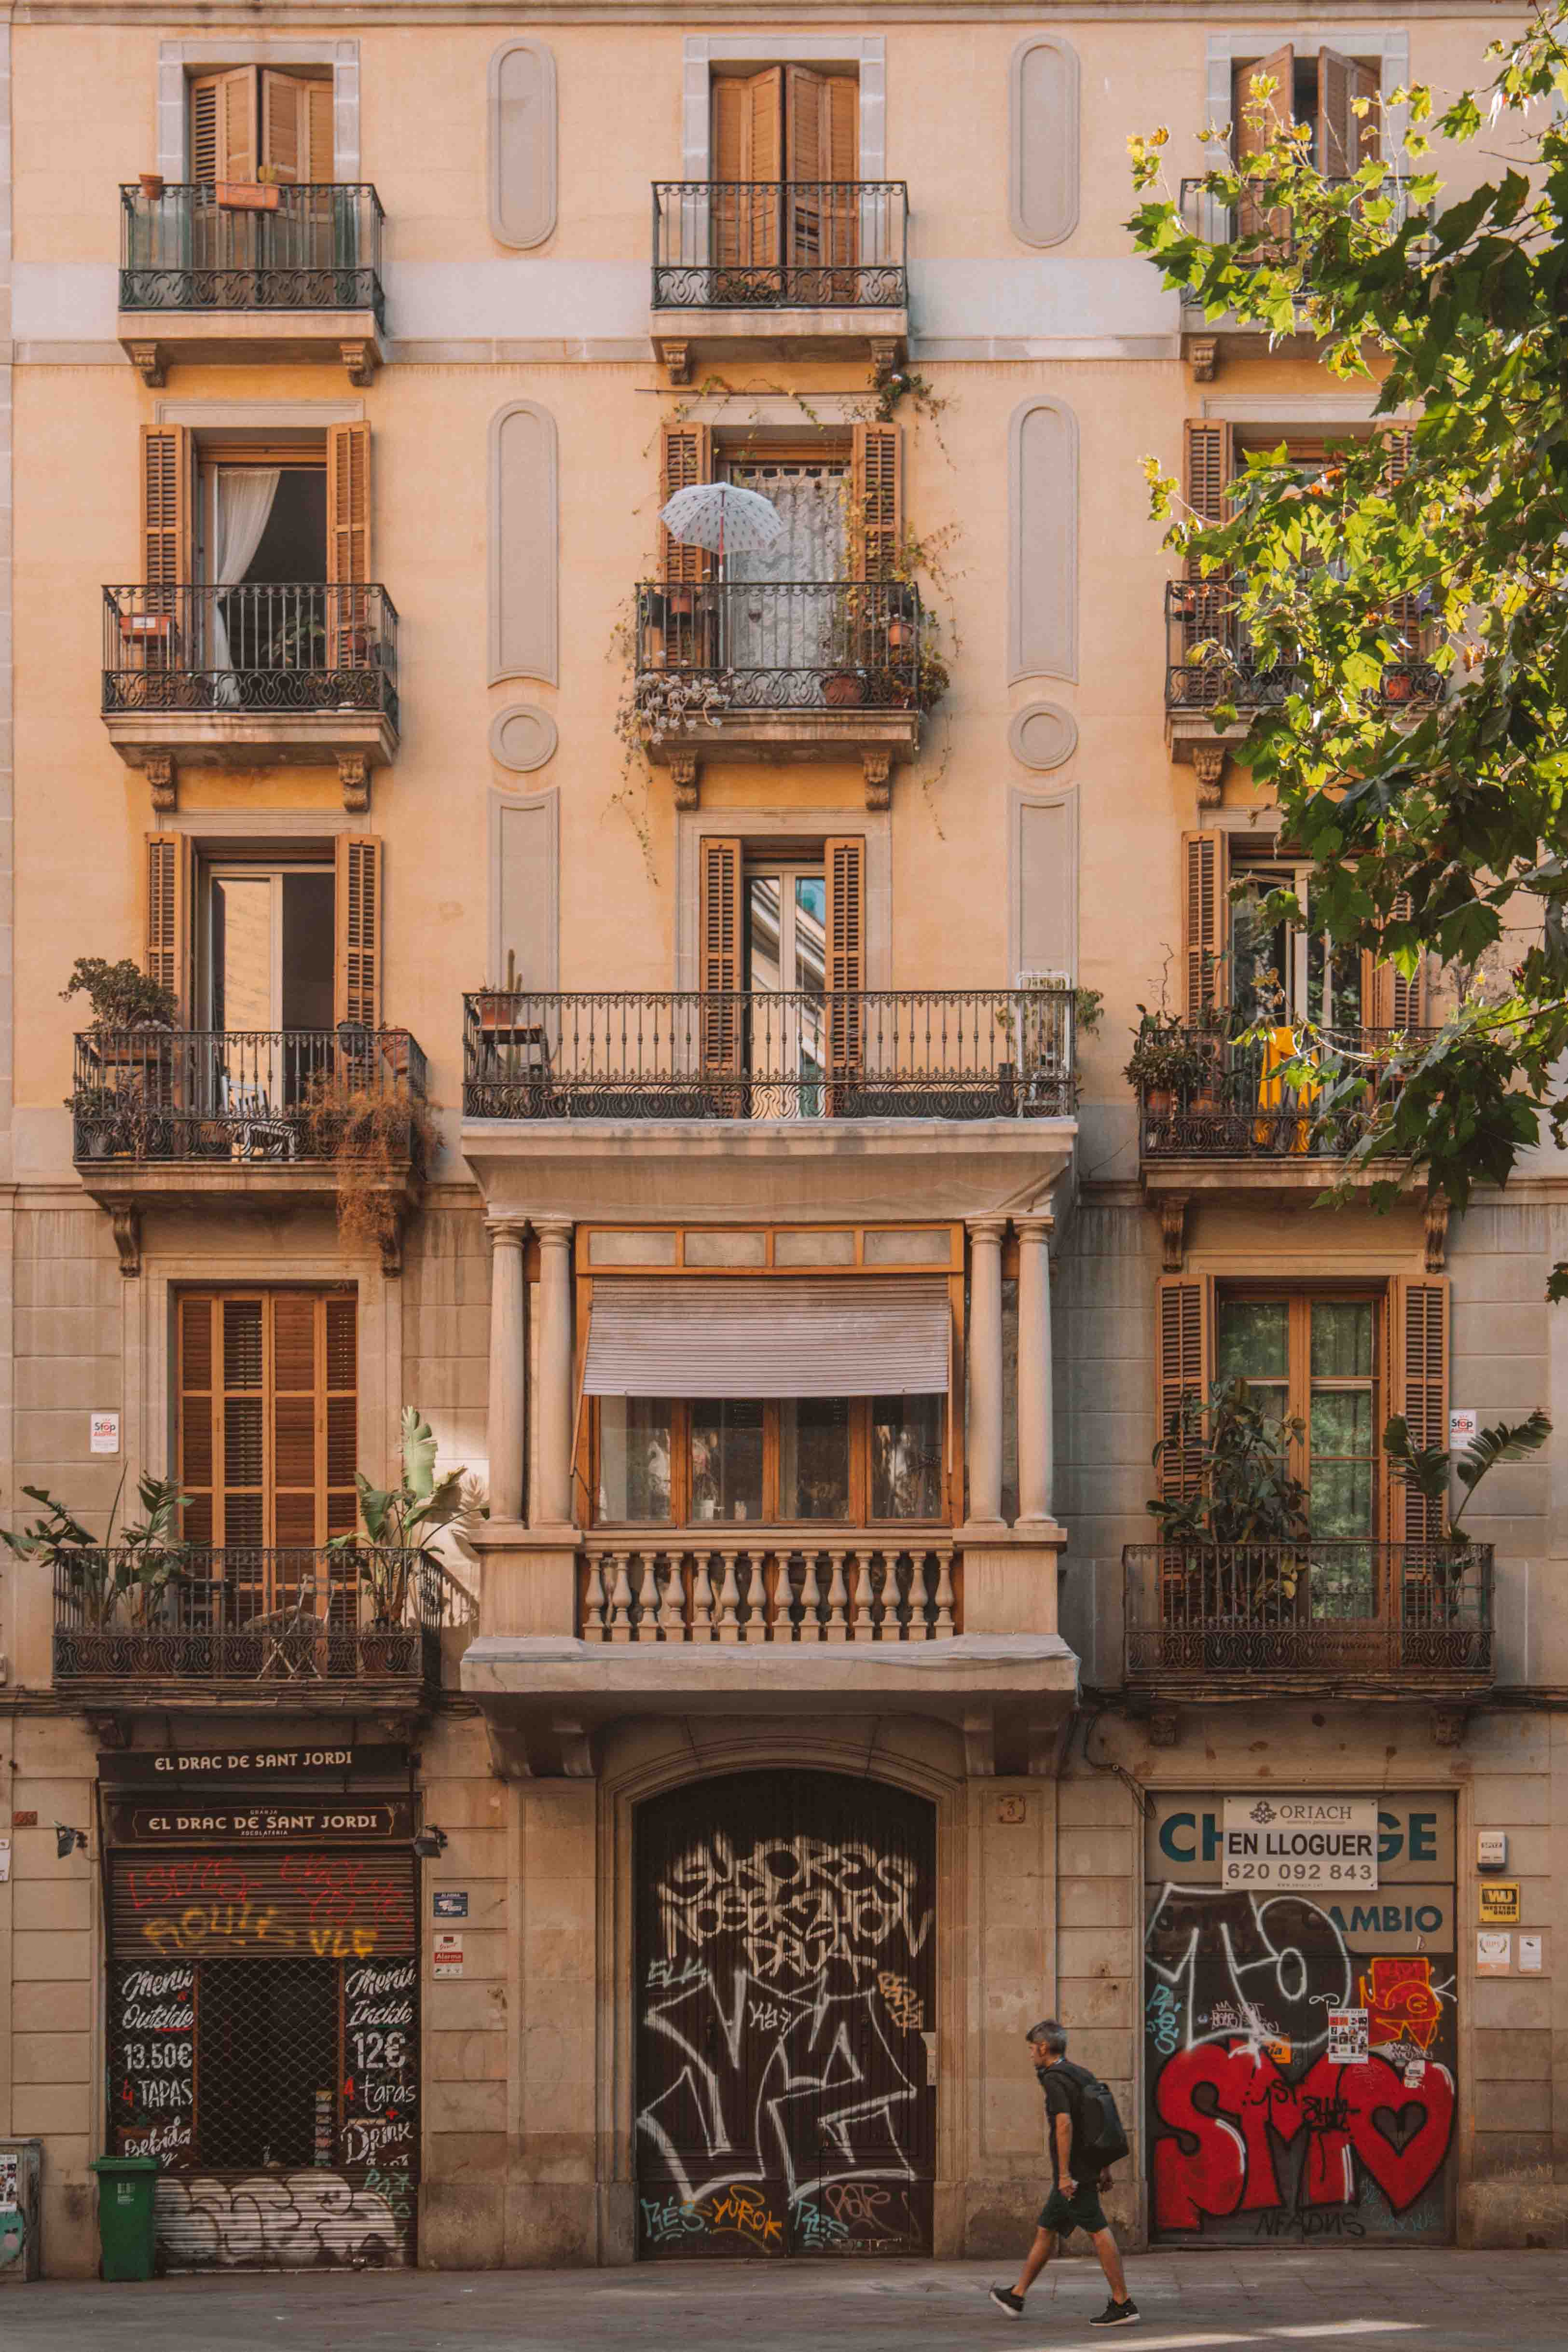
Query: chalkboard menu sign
{"points": [[152, 2046], [381, 2050]]}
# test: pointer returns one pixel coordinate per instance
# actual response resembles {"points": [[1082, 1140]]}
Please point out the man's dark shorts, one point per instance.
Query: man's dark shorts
{"points": [[1081, 2211]]}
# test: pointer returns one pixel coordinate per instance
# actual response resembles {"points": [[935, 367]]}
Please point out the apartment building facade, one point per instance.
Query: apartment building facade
{"points": [[661, 1012]]}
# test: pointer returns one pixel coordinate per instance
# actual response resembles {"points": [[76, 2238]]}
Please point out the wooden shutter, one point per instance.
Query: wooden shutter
{"points": [[1345, 140], [1420, 1384], [1393, 1001], [686, 456], [719, 951], [844, 860], [165, 505], [1205, 910], [1252, 136], [296, 127], [1210, 463], [348, 503], [223, 126], [267, 1390], [356, 967], [166, 950], [876, 492], [200, 1438], [748, 126], [1183, 1312]]}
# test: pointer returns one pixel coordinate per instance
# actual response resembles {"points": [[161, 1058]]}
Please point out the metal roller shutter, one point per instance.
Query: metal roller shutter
{"points": [[782, 1339], [234, 1903]]}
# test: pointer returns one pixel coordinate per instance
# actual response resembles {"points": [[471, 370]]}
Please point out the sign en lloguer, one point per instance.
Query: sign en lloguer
{"points": [[1299, 1842]]}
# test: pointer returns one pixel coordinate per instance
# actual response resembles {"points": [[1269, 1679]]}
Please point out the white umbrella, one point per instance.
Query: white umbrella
{"points": [[721, 515]]}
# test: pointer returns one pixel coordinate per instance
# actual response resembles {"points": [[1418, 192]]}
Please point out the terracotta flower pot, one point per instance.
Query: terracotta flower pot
{"points": [[842, 688], [151, 186]]}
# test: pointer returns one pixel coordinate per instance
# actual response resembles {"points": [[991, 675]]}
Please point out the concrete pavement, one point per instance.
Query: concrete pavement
{"points": [[1432, 2301]]}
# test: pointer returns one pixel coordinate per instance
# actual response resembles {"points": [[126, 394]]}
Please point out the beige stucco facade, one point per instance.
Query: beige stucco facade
{"points": [[1037, 827]]}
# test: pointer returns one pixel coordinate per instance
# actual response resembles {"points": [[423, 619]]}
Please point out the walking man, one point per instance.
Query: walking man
{"points": [[1076, 2181]]}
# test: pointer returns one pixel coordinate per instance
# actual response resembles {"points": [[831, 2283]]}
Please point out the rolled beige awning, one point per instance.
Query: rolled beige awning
{"points": [[856, 1336]]}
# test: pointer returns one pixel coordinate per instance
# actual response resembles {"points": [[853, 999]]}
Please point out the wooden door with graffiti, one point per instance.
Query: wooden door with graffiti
{"points": [[1299, 2065], [785, 2004]]}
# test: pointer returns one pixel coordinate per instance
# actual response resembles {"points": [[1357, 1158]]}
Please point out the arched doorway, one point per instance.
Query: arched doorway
{"points": [[785, 2013]]}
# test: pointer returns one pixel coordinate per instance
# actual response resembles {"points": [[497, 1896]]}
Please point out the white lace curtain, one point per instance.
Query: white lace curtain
{"points": [[780, 631], [240, 510]]}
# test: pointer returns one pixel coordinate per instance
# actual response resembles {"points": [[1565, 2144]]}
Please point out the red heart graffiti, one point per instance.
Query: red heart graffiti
{"points": [[1373, 2086]]}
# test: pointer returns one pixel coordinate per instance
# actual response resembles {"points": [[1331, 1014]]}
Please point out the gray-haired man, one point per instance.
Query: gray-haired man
{"points": [[1074, 2201]]}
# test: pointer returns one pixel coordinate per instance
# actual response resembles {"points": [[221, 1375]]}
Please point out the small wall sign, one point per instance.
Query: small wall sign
{"points": [[451, 1902], [1531, 1960], [1464, 1424], [103, 1432], [1491, 1850], [4, 1859], [1497, 1903], [1347, 2037], [446, 1960], [1494, 1954]]}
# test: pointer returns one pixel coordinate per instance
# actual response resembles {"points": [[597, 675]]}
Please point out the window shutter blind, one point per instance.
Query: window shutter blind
{"points": [[822, 122], [200, 1419], [1347, 141], [1182, 1315], [719, 951], [166, 952], [1421, 1394], [874, 1334], [322, 158], [686, 456], [269, 1420], [1205, 882], [165, 505], [348, 503], [356, 971], [748, 125], [1210, 463], [223, 126], [845, 863], [296, 127], [1393, 1002], [876, 487], [1252, 135]]}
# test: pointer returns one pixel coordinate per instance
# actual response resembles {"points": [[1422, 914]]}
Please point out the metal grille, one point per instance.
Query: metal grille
{"points": [[762, 245], [261, 646], [266, 2046], [316, 247]]}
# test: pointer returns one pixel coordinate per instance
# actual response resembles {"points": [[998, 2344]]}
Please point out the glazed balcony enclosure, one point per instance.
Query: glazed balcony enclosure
{"points": [[287, 1626], [1395, 1620], [182, 1115], [779, 268], [1210, 660], [285, 674], [225, 272]]}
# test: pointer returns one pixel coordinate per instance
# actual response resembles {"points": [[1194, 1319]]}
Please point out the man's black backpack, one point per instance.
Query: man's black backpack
{"points": [[1103, 2142]]}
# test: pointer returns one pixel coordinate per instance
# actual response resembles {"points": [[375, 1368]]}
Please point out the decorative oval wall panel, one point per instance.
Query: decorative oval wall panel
{"points": [[522, 143], [1042, 541], [522, 543], [522, 737], [1042, 735], [1042, 147]]}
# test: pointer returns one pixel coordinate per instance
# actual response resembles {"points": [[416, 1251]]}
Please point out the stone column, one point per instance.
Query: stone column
{"points": [[553, 1489], [507, 1412], [1035, 1435], [985, 1370]]}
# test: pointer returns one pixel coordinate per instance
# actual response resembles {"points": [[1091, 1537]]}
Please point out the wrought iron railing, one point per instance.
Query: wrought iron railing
{"points": [[736, 645], [960, 1054], [310, 247], [1247, 1107], [259, 648], [708, 1589], [1375, 1611], [1210, 656], [237, 1094], [301, 1616], [1207, 216], [769, 245]]}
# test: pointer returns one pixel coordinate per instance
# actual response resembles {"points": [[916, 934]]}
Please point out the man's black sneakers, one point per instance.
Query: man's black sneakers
{"points": [[1116, 2315], [1013, 2304]]}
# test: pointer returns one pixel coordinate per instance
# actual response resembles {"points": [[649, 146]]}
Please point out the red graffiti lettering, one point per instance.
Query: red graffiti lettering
{"points": [[170, 1885]]}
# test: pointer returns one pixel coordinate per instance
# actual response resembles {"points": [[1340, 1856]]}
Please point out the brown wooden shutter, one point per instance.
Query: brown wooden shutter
{"points": [[1393, 1001], [844, 859], [1206, 911], [348, 502], [1184, 1313], [166, 952], [719, 951], [1210, 464], [1252, 136], [686, 456], [1345, 140], [165, 505], [875, 491], [296, 127], [356, 968], [1420, 1385], [748, 125], [322, 151], [200, 1436], [1398, 443], [267, 1443], [821, 123], [223, 126]]}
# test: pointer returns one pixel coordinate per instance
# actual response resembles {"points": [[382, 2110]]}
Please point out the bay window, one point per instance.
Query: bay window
{"points": [[735, 1461]]}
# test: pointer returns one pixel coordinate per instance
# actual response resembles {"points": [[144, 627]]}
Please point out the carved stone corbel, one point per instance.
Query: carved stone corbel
{"points": [[391, 1240], [353, 774], [151, 365], [360, 359], [677, 358], [1165, 1727], [1208, 766], [162, 777], [1449, 1726], [110, 1731], [980, 1744], [878, 767], [508, 1751], [1173, 1230], [574, 1745], [125, 1223], [1437, 1222], [685, 774], [1203, 351], [884, 358]]}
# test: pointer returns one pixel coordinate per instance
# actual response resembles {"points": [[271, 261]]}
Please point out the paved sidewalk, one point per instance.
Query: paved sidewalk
{"points": [[1432, 2301]]}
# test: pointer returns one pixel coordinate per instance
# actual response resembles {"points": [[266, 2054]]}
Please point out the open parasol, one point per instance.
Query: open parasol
{"points": [[721, 515]]}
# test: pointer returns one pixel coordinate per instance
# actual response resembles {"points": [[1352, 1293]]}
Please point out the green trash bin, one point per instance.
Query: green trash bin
{"points": [[125, 2214]]}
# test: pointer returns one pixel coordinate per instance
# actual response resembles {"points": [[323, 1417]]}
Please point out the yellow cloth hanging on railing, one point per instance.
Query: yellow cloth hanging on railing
{"points": [[1280, 1051]]}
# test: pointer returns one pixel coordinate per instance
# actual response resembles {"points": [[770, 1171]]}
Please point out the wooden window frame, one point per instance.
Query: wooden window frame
{"points": [[1300, 1297], [216, 1298], [737, 1531]]}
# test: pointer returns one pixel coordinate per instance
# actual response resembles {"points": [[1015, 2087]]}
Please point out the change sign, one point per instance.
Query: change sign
{"points": [[1305, 1842]]}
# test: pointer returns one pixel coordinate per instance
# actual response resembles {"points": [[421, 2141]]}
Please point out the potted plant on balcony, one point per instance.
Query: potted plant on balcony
{"points": [[376, 1128], [135, 1073], [1238, 1528], [110, 1591], [1438, 1569], [844, 688], [1171, 1057], [404, 1584]]}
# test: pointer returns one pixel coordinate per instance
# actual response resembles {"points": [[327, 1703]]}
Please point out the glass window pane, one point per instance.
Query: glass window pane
{"points": [[727, 1460], [1341, 1338], [1341, 1424], [814, 1458], [1340, 1504], [765, 932], [633, 1458], [1254, 1338], [241, 952], [810, 933], [309, 947], [906, 1457]]}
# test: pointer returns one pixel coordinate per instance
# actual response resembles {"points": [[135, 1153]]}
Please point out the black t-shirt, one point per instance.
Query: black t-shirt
{"points": [[1063, 2086]]}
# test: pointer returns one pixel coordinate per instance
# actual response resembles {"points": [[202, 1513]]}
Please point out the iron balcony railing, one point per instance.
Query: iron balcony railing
{"points": [[1207, 1613], [958, 1054], [769, 245], [717, 647], [199, 246], [259, 648], [1247, 1107], [303, 1616], [237, 1094], [1211, 658], [1207, 216]]}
